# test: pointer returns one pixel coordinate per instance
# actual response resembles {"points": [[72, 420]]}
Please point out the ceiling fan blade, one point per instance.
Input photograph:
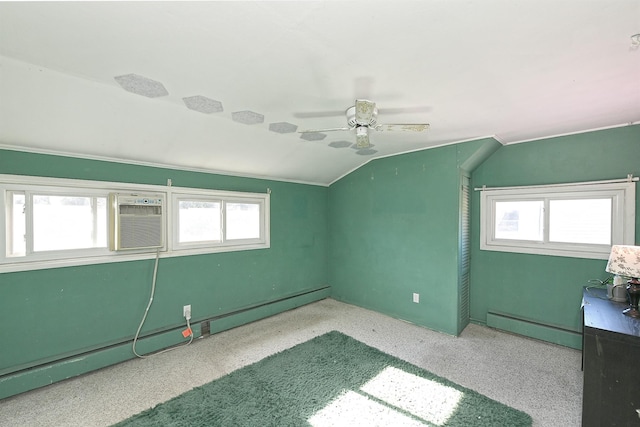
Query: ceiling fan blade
{"points": [[363, 87], [409, 127], [318, 114], [323, 130], [405, 110], [362, 137], [364, 111]]}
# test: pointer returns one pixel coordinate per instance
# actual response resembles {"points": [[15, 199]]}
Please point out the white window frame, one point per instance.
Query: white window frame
{"points": [[622, 195], [198, 197], [29, 191], [73, 257], [224, 197]]}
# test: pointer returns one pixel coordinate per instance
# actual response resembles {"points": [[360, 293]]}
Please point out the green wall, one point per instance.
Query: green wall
{"points": [[381, 233], [546, 289], [48, 315], [394, 231]]}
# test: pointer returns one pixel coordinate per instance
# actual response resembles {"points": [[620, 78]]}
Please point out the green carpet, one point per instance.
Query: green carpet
{"points": [[331, 380]]}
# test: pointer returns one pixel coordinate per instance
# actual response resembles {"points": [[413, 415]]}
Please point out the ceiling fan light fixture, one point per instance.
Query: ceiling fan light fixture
{"points": [[362, 117], [362, 137], [363, 113]]}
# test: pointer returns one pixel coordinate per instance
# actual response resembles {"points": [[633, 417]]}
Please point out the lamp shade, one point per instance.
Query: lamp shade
{"points": [[624, 261]]}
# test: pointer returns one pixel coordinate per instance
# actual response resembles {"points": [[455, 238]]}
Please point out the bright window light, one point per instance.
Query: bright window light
{"points": [[199, 221], [68, 222], [243, 221], [568, 222], [519, 220]]}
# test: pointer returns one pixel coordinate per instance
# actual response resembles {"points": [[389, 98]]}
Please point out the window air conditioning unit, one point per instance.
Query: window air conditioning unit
{"points": [[136, 221]]}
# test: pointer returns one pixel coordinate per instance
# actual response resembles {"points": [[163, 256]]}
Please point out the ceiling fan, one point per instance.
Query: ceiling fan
{"points": [[363, 117]]}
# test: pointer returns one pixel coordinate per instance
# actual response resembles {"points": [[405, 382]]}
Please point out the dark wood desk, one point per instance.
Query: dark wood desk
{"points": [[611, 361]]}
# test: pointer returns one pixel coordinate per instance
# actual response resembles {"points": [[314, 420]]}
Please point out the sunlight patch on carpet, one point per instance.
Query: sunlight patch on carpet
{"points": [[421, 397], [353, 409]]}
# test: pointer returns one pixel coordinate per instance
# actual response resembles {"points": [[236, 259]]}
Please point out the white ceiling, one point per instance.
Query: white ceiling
{"points": [[514, 69]]}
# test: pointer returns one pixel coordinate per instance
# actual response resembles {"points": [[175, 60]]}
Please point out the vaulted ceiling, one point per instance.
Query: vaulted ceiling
{"points": [[227, 86]]}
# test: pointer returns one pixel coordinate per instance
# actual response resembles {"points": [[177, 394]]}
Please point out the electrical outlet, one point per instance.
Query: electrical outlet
{"points": [[416, 298], [186, 312]]}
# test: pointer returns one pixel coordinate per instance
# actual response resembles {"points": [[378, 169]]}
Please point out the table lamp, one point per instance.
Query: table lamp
{"points": [[625, 261]]}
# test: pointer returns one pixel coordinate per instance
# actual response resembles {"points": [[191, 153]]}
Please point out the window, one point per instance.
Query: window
{"points": [[215, 219], [62, 222], [242, 220], [49, 222], [55, 222], [582, 220], [199, 221]]}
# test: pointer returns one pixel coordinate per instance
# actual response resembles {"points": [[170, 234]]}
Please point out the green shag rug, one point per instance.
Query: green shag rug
{"points": [[331, 380]]}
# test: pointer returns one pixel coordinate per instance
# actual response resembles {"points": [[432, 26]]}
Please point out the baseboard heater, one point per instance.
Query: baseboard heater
{"points": [[37, 374], [534, 329], [204, 322]]}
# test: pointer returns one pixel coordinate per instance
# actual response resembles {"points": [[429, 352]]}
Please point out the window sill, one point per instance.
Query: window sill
{"points": [[11, 267]]}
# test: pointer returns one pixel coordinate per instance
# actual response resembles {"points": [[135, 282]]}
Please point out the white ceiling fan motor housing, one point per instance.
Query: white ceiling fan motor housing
{"points": [[352, 122]]}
